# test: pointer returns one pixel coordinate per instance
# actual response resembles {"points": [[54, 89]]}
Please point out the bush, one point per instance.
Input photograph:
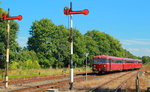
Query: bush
{"points": [[29, 64], [14, 65], [25, 60]]}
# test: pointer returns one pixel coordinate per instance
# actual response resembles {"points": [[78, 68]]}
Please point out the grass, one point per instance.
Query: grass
{"points": [[19, 73]]}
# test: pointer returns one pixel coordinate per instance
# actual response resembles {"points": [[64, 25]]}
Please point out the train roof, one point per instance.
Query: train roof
{"points": [[112, 57]]}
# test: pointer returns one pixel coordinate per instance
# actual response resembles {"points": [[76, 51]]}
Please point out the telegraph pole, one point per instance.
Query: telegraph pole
{"points": [[68, 11], [8, 18]]}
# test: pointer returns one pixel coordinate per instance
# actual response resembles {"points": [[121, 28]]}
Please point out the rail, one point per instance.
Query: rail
{"points": [[98, 87]]}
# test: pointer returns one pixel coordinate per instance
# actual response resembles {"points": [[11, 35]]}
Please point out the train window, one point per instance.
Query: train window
{"points": [[127, 62], [95, 61], [100, 61], [113, 61], [119, 61], [116, 61], [135, 62], [139, 62], [130, 62]]}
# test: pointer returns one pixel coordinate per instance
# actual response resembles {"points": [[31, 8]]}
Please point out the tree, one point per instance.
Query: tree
{"points": [[79, 47], [108, 45], [42, 42], [61, 54], [91, 46], [50, 42], [127, 54], [103, 41]]}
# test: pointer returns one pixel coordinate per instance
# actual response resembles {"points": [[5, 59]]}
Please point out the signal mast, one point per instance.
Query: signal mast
{"points": [[8, 18], [68, 11]]}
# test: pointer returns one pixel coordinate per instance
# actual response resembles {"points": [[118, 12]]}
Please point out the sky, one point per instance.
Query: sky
{"points": [[126, 20]]}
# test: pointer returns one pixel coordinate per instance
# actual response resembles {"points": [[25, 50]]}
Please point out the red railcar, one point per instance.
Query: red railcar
{"points": [[103, 64]]}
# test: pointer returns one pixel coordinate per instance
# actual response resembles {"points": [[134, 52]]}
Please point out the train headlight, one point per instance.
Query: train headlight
{"points": [[104, 65]]}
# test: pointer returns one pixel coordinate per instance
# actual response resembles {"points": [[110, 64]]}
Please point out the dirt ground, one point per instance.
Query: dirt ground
{"points": [[130, 86], [86, 86], [144, 79]]}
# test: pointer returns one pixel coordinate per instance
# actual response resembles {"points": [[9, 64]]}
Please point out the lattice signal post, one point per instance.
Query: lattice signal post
{"points": [[7, 18], [68, 11]]}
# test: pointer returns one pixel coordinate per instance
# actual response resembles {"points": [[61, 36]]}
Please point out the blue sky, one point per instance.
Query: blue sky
{"points": [[126, 20]]}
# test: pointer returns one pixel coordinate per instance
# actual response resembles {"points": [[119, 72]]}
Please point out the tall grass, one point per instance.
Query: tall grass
{"points": [[39, 72]]}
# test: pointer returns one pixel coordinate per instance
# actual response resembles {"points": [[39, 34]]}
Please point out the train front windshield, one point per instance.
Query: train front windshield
{"points": [[100, 61]]}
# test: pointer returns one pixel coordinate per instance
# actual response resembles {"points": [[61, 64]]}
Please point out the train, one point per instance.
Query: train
{"points": [[102, 64]]}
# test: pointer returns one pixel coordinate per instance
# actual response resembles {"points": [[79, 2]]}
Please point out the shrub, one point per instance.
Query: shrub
{"points": [[29, 64], [14, 65]]}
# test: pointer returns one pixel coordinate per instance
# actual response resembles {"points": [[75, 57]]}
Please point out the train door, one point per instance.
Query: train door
{"points": [[110, 66]]}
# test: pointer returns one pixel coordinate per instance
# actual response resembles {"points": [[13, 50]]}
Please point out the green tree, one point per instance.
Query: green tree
{"points": [[41, 41], [108, 45], [25, 55], [79, 47], [62, 46], [127, 54], [50, 42], [91, 46]]}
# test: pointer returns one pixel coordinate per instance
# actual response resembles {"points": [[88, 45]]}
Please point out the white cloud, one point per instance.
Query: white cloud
{"points": [[140, 51], [136, 42], [138, 47]]}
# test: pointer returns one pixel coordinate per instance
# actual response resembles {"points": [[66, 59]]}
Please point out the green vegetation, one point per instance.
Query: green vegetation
{"points": [[48, 46], [40, 72], [50, 43], [146, 60]]}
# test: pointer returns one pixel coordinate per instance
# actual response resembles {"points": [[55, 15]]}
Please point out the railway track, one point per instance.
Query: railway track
{"points": [[21, 81], [114, 84], [43, 83], [55, 84], [35, 82]]}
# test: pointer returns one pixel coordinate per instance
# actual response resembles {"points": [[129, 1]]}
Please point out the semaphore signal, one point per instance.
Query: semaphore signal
{"points": [[68, 11], [7, 17]]}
